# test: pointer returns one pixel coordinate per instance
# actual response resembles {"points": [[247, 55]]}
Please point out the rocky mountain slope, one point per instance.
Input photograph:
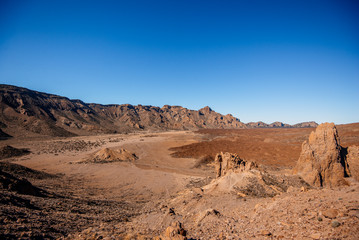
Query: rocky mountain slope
{"points": [[54, 115], [25, 112]]}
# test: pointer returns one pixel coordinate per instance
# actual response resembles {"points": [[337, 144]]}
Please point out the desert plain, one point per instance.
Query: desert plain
{"points": [[165, 185]]}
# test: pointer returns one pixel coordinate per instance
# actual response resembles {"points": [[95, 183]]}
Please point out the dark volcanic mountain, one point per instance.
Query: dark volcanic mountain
{"points": [[26, 111]]}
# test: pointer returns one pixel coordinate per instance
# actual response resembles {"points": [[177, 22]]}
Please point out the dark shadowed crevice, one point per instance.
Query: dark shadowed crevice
{"points": [[343, 161]]}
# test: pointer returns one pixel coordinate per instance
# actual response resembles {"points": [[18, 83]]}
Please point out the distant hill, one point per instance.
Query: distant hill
{"points": [[281, 125], [26, 111]]}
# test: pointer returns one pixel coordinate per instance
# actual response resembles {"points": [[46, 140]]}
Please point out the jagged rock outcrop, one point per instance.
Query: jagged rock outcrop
{"points": [[173, 232], [245, 178], [322, 161], [225, 162], [353, 161]]}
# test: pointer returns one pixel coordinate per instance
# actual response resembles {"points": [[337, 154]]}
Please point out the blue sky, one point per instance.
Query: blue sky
{"points": [[289, 61]]}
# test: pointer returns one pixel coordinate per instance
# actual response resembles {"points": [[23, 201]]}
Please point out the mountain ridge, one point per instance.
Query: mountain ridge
{"points": [[30, 111]]}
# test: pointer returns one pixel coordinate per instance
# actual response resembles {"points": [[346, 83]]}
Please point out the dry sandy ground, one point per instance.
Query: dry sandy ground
{"points": [[154, 173], [158, 188]]}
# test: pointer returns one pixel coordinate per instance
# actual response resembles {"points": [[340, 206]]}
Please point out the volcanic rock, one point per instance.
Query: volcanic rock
{"points": [[306, 125], [173, 232], [107, 155], [353, 161], [9, 151], [335, 224], [20, 171], [4, 135], [281, 125], [322, 162], [22, 186], [257, 125], [30, 112], [330, 213], [229, 161], [48, 114], [244, 178]]}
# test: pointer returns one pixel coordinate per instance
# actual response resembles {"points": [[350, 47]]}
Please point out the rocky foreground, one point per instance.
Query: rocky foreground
{"points": [[247, 202], [319, 199]]}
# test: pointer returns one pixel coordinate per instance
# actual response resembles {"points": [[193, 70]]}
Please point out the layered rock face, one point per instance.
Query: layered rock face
{"points": [[322, 162], [353, 161]]}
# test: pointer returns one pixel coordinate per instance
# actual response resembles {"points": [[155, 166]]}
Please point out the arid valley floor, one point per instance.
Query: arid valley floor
{"points": [[166, 187]]}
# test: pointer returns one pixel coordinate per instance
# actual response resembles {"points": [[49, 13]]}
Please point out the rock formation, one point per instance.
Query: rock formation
{"points": [[107, 155], [173, 232], [306, 125], [22, 186], [353, 161], [9, 151], [225, 162], [322, 162], [245, 178]]}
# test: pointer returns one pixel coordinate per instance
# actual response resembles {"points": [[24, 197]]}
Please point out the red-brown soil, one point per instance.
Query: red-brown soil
{"points": [[276, 147]]}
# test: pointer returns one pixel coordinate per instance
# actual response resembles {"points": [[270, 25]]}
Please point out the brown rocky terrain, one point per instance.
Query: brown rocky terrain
{"points": [[9, 151], [224, 183], [4, 135], [30, 212], [158, 196], [272, 147]]}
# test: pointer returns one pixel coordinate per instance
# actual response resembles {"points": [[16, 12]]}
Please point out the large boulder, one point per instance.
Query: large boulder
{"points": [[353, 161], [322, 160], [173, 232]]}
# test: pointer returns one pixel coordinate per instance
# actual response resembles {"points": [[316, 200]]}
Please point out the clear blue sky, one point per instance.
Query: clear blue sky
{"points": [[289, 61]]}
